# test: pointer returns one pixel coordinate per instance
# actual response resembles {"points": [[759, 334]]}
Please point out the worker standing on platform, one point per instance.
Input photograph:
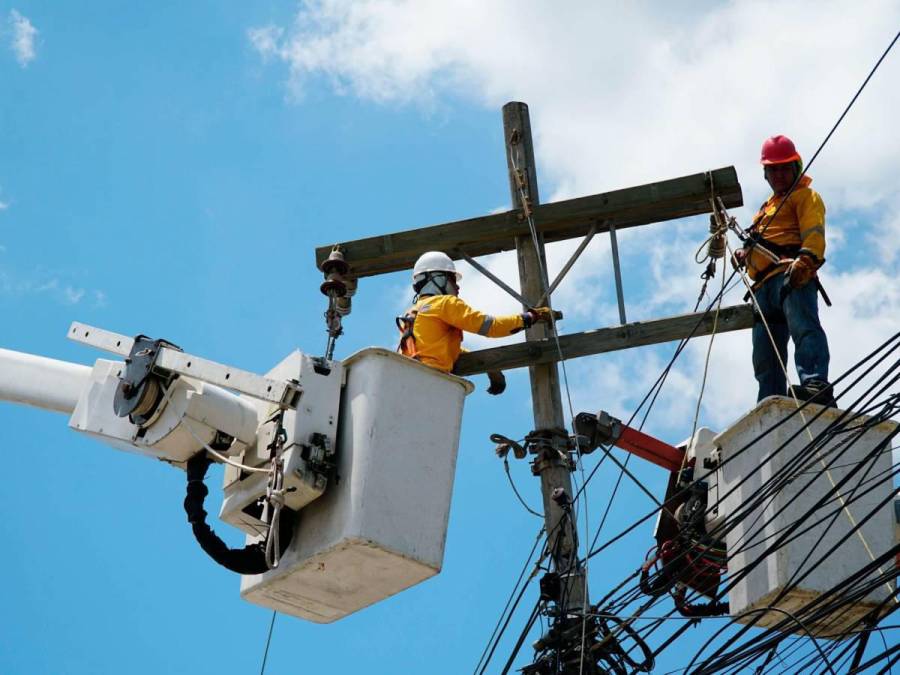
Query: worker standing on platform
{"points": [[431, 330], [785, 249]]}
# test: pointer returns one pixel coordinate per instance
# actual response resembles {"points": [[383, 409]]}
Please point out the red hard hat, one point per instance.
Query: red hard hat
{"points": [[779, 150]]}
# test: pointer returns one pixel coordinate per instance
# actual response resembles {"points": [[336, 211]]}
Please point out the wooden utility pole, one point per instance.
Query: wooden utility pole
{"points": [[525, 228], [551, 464]]}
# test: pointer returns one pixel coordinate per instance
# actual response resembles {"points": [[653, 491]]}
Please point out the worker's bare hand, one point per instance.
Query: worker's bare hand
{"points": [[498, 382], [739, 259]]}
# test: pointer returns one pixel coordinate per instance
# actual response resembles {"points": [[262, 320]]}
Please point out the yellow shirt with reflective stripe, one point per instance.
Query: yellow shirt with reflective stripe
{"points": [[440, 323], [800, 222]]}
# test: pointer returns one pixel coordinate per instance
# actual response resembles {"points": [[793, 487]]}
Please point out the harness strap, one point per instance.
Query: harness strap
{"points": [[406, 326]]}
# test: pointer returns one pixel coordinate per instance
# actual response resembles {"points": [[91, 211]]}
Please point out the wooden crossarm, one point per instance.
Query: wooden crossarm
{"points": [[651, 203]]}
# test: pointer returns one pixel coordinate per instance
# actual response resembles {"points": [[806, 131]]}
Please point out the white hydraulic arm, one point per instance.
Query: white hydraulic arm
{"points": [[41, 382]]}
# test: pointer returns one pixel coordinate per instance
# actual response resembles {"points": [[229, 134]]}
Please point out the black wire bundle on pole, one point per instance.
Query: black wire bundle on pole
{"points": [[749, 651], [849, 418]]}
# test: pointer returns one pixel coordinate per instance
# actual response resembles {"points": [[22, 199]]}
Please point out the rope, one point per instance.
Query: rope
{"points": [[526, 207], [872, 584], [712, 338], [783, 367], [274, 500]]}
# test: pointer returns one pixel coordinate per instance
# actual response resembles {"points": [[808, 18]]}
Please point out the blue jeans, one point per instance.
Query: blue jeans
{"points": [[794, 314]]}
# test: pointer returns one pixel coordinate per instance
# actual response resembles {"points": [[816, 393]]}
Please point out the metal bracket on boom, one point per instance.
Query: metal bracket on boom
{"points": [[592, 431], [141, 386], [170, 359]]}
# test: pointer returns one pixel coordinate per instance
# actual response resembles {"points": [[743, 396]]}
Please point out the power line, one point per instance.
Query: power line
{"points": [[834, 128], [262, 668], [848, 417], [811, 447], [484, 653]]}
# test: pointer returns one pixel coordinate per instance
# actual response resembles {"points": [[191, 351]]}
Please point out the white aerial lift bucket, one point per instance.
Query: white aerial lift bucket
{"points": [[381, 525], [751, 598], [368, 453]]}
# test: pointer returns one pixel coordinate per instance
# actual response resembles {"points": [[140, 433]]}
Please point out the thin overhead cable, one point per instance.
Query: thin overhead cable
{"points": [[781, 539], [536, 241], [262, 668], [834, 128], [494, 640], [850, 418]]}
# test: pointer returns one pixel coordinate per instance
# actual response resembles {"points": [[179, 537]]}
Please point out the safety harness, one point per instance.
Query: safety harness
{"points": [[779, 255], [406, 326], [432, 283]]}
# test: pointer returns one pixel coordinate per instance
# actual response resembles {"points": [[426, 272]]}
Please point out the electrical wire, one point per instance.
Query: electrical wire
{"points": [[262, 668], [867, 358], [494, 640], [538, 252], [832, 131], [516, 490], [592, 551]]}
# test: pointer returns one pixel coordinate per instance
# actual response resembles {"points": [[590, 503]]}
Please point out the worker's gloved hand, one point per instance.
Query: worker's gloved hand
{"points": [[739, 258], [541, 315], [498, 382], [801, 271]]}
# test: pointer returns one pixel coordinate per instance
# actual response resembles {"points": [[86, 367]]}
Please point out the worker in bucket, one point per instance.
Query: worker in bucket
{"points": [[783, 253], [431, 330]]}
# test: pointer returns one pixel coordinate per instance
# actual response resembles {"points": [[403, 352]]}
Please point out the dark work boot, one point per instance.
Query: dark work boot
{"points": [[815, 391]]}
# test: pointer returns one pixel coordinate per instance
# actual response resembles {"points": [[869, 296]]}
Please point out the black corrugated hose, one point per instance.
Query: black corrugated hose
{"points": [[250, 559]]}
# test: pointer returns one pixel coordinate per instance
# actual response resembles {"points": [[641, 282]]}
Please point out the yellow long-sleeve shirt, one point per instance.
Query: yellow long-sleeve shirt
{"points": [[439, 325], [799, 223]]}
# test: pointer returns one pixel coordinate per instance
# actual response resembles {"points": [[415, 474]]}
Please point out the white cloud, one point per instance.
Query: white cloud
{"points": [[265, 40], [4, 205], [73, 295], [46, 284], [620, 94], [623, 94], [23, 37]]}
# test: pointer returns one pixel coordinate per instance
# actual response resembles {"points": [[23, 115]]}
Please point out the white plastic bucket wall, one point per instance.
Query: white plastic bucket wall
{"points": [[381, 526], [761, 528]]}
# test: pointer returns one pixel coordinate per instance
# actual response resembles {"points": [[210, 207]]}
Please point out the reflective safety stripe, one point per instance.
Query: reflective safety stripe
{"points": [[809, 230], [486, 325]]}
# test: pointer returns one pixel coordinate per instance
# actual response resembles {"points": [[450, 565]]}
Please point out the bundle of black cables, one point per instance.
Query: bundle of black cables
{"points": [[250, 559]]}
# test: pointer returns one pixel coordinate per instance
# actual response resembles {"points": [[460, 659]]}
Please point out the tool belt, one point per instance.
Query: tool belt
{"points": [[782, 251]]}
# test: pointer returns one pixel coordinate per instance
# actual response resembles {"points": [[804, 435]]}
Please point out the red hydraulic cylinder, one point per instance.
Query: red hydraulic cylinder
{"points": [[649, 448]]}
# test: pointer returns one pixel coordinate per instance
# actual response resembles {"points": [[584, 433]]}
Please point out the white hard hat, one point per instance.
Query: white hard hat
{"points": [[435, 261]]}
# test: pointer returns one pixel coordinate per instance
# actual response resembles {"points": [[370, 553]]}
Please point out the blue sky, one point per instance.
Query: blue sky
{"points": [[169, 168]]}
